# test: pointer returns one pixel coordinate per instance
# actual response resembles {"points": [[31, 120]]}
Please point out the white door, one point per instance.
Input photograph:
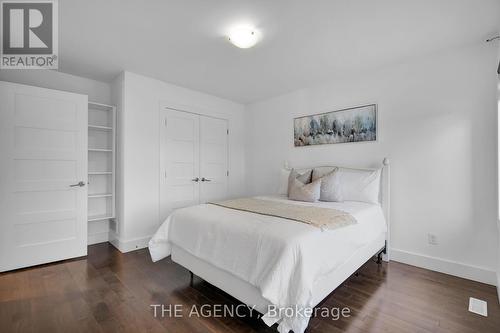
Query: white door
{"points": [[179, 160], [43, 147], [213, 159]]}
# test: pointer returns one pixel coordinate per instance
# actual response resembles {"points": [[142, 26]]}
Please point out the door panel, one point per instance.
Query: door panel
{"points": [[179, 160], [44, 150], [213, 159]]}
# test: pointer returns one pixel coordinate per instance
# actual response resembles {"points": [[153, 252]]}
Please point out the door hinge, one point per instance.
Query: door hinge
{"points": [[228, 132], [165, 122], [227, 173]]}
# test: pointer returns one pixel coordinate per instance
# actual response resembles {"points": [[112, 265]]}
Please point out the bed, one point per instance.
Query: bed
{"points": [[268, 262]]}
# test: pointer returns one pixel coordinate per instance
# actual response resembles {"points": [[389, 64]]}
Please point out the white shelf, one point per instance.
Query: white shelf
{"points": [[100, 217], [100, 128], [102, 162], [100, 173], [101, 150], [100, 195], [100, 106]]}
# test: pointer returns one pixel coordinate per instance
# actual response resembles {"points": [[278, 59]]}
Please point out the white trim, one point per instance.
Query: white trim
{"points": [[128, 245], [99, 237], [466, 271]]}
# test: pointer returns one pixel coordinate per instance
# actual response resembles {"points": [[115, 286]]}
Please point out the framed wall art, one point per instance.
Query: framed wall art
{"points": [[357, 124]]}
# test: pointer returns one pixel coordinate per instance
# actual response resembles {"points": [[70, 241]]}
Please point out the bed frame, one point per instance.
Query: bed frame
{"points": [[250, 295]]}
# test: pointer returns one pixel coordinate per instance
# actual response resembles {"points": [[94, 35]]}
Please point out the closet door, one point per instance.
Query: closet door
{"points": [[43, 175], [213, 159], [179, 160]]}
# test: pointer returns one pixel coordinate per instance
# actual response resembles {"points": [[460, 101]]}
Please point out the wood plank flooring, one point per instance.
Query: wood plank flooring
{"points": [[112, 292]]}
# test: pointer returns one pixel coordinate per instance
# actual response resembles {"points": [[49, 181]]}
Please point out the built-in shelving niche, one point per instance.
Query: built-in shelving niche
{"points": [[101, 167]]}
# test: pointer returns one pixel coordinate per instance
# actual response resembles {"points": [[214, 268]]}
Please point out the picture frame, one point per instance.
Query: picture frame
{"points": [[355, 124]]}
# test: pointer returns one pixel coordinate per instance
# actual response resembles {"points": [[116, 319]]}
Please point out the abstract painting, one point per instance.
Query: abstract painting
{"points": [[356, 124]]}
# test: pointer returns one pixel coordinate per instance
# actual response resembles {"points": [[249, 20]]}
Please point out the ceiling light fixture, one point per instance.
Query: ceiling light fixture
{"points": [[243, 37]]}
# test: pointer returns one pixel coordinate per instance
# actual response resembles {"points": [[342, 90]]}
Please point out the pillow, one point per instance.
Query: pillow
{"points": [[304, 192], [304, 178], [360, 185], [285, 177], [330, 187], [322, 171], [283, 185]]}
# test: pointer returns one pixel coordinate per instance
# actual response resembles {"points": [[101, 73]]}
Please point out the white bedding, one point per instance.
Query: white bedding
{"points": [[282, 258]]}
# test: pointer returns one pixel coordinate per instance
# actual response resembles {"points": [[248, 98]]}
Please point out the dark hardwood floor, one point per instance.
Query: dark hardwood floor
{"points": [[112, 292]]}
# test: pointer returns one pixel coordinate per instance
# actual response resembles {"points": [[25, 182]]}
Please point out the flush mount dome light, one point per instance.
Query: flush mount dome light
{"points": [[243, 37]]}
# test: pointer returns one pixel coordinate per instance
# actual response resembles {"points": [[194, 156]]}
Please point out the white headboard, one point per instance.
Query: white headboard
{"points": [[384, 196]]}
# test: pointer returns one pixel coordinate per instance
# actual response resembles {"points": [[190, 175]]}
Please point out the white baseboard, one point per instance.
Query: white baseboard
{"points": [[130, 244], [96, 238], [475, 273]]}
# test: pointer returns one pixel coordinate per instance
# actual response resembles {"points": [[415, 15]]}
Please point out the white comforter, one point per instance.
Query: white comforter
{"points": [[282, 258]]}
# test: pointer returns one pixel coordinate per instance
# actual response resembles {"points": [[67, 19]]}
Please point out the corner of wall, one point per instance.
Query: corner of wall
{"points": [[498, 286], [117, 98], [125, 246]]}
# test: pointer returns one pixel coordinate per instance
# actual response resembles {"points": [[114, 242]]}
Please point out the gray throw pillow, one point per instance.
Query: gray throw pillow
{"points": [[330, 187], [322, 171], [304, 178], [304, 192]]}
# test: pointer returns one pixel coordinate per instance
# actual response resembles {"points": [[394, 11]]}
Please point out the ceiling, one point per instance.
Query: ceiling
{"points": [[303, 42]]}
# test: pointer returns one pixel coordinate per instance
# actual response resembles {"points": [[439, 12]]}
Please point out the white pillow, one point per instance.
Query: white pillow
{"points": [[330, 187], [360, 185], [283, 185], [319, 172]]}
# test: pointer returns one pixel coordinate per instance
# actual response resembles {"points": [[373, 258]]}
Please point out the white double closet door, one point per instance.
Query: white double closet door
{"points": [[193, 160], [43, 175]]}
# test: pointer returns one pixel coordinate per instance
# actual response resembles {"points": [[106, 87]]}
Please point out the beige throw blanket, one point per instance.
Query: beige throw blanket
{"points": [[324, 218]]}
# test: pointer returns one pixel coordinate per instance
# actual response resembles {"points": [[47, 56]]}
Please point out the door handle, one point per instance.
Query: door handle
{"points": [[80, 184], [195, 179], [203, 179]]}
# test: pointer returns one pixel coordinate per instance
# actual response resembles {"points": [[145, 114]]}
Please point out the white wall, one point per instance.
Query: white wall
{"points": [[437, 124], [139, 99], [97, 92]]}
